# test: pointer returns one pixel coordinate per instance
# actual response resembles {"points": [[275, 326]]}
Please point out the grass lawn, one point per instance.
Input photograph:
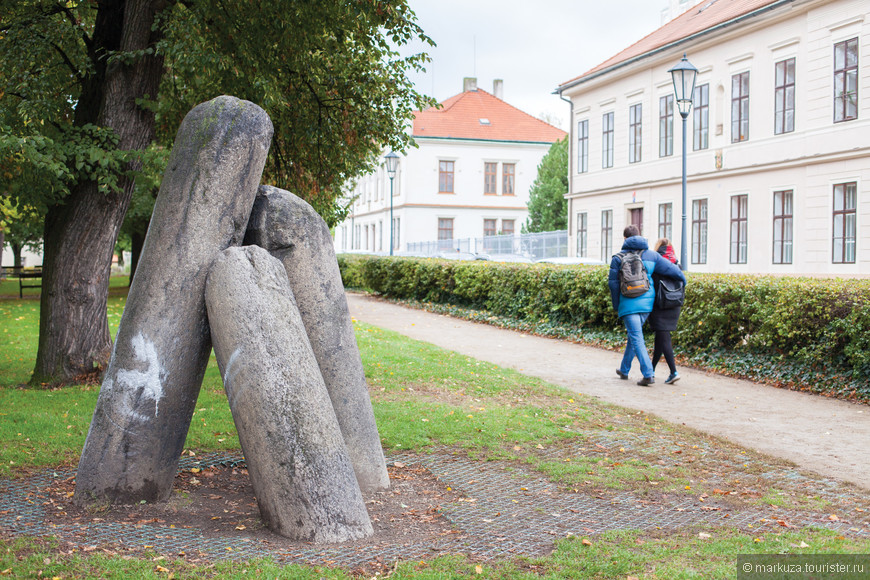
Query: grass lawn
{"points": [[429, 399]]}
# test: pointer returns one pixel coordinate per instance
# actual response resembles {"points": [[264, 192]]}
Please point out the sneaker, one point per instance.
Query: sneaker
{"points": [[672, 378], [622, 375], [646, 381]]}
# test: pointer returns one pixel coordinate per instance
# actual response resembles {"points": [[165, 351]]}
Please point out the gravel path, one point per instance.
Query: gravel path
{"points": [[827, 436]]}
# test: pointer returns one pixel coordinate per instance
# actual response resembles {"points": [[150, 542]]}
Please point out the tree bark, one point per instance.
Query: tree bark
{"points": [[16, 255], [80, 234], [137, 240]]}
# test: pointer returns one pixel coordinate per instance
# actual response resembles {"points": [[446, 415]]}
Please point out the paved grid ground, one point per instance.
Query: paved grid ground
{"points": [[501, 510]]}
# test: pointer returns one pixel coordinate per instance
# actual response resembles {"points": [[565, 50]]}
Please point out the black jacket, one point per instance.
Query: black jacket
{"points": [[663, 319]]}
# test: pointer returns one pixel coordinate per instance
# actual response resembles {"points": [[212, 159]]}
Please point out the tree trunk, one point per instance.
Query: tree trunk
{"points": [[2, 245], [16, 255], [137, 240], [80, 234]]}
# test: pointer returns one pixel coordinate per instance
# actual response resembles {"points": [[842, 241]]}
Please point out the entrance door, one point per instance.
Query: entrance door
{"points": [[637, 218]]}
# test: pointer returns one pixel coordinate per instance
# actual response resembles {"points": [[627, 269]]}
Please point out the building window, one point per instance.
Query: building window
{"points": [[606, 235], [701, 117], [582, 146], [489, 227], [739, 228], [607, 140], [396, 232], [489, 178], [445, 177], [507, 227], [845, 196], [445, 232], [846, 80], [635, 117], [740, 107], [699, 231], [666, 220], [666, 126], [782, 227], [508, 171], [784, 97], [582, 235]]}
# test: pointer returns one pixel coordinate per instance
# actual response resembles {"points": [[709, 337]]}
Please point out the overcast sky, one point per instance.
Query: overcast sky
{"points": [[534, 46]]}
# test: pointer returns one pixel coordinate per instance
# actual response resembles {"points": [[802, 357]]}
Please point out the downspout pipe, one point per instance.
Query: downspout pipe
{"points": [[570, 156]]}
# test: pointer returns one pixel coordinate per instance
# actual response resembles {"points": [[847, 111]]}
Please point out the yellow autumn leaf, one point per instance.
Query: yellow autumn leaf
{"points": [[478, 569]]}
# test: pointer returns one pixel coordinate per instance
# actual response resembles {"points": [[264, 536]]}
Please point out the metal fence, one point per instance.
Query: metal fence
{"points": [[533, 246]]}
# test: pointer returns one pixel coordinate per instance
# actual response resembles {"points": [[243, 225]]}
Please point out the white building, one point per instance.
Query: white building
{"points": [[778, 148], [469, 177]]}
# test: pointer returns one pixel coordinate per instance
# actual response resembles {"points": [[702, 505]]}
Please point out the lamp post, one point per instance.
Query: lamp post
{"points": [[684, 75], [392, 161]]}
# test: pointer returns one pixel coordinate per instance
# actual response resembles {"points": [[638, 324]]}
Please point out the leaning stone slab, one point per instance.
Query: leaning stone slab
{"points": [[299, 467], [292, 231], [150, 387]]}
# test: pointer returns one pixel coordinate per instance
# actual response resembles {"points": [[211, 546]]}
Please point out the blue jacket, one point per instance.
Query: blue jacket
{"points": [[654, 262]]}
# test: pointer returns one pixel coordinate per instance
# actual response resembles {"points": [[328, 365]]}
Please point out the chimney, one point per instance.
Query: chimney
{"points": [[498, 89], [469, 84]]}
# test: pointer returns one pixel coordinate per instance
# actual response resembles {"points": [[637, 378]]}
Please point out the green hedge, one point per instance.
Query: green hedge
{"points": [[815, 329]]}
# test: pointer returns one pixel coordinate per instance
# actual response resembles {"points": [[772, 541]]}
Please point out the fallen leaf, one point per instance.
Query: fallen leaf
{"points": [[586, 542], [704, 536], [478, 569], [833, 518]]}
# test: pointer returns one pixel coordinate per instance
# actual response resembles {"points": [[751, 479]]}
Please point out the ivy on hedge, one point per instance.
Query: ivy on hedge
{"points": [[801, 330]]}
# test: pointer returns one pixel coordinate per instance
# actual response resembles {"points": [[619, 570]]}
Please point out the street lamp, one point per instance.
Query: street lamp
{"points": [[684, 75], [392, 161]]}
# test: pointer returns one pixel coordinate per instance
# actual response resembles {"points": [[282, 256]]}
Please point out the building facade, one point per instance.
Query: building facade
{"points": [[778, 140], [470, 175]]}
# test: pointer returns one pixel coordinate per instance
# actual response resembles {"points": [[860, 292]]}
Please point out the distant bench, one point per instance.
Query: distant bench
{"points": [[25, 274]]}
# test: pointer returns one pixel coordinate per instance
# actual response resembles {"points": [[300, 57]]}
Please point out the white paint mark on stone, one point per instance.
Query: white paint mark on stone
{"points": [[230, 375], [149, 380]]}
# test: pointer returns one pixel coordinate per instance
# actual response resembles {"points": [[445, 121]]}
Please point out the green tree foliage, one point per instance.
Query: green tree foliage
{"points": [[86, 86], [548, 208]]}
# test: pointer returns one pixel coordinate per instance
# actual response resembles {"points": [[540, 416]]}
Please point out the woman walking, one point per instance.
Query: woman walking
{"points": [[664, 320]]}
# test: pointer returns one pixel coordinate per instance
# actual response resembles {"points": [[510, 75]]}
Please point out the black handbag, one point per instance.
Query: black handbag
{"points": [[670, 293]]}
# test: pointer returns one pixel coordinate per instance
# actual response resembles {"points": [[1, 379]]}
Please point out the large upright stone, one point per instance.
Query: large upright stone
{"points": [[150, 387], [296, 457], [293, 232]]}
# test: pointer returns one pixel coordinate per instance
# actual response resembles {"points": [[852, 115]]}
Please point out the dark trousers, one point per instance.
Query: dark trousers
{"points": [[663, 346]]}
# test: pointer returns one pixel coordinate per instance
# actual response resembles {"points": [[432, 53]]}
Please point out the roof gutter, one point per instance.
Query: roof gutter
{"points": [[674, 44]]}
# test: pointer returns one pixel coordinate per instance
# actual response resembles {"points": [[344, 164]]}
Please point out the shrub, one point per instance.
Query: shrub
{"points": [[791, 326]]}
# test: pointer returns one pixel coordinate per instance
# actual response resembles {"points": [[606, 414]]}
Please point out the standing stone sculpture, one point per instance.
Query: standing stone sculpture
{"points": [[296, 457], [293, 232], [150, 387]]}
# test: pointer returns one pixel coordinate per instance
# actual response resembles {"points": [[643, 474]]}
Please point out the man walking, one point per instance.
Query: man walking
{"points": [[634, 308]]}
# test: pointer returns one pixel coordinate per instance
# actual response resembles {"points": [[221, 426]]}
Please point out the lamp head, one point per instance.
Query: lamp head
{"points": [[392, 162], [683, 75]]}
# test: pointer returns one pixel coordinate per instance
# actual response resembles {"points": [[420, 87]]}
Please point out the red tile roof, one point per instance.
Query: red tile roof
{"points": [[707, 15], [465, 116]]}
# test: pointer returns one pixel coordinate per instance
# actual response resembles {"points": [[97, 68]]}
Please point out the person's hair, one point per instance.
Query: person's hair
{"points": [[630, 230], [660, 243]]}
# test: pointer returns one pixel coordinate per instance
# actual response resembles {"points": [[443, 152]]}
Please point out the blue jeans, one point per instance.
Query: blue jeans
{"points": [[635, 347]]}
